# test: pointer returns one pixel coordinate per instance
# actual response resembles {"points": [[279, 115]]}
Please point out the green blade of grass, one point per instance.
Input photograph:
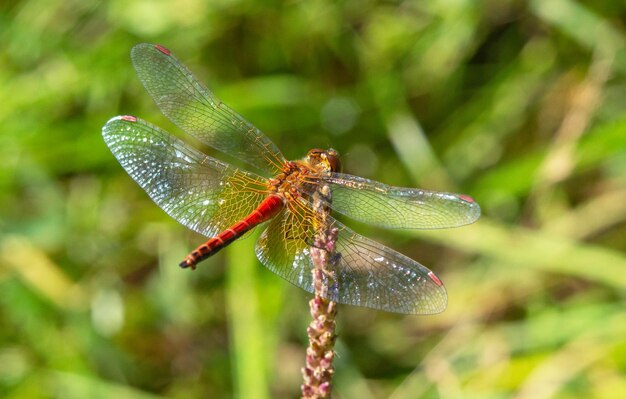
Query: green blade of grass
{"points": [[73, 385], [246, 330], [535, 249]]}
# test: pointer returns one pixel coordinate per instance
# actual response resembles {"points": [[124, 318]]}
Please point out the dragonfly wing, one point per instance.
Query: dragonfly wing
{"points": [[191, 106], [365, 273], [283, 249], [200, 192], [387, 206]]}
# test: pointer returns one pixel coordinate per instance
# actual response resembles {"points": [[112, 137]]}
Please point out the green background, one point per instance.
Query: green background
{"points": [[520, 104]]}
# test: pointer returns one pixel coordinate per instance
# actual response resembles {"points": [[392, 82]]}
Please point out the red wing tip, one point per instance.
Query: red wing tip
{"points": [[128, 118], [435, 279], [162, 49], [466, 198]]}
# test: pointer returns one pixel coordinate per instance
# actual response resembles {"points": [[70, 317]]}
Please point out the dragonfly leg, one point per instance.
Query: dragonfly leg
{"points": [[311, 243], [335, 258]]}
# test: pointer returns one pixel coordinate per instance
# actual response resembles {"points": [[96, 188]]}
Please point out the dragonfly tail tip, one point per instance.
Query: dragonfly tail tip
{"points": [[185, 264]]}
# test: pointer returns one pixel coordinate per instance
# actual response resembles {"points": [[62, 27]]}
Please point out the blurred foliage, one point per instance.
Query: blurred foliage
{"points": [[521, 104]]}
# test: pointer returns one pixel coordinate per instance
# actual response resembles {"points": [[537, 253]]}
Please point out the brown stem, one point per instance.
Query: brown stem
{"points": [[318, 370]]}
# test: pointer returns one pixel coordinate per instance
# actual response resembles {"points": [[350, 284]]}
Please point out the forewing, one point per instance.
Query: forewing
{"points": [[191, 106], [387, 206], [365, 273], [200, 192]]}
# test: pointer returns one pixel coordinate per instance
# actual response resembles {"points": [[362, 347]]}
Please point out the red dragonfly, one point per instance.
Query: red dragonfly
{"points": [[224, 202]]}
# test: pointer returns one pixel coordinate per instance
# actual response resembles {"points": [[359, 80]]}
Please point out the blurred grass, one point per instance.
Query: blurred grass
{"points": [[247, 332], [520, 104]]}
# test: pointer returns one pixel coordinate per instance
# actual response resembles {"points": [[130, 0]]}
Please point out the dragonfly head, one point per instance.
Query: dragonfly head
{"points": [[326, 159]]}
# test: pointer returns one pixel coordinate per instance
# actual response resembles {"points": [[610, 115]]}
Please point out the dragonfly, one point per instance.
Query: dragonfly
{"points": [[224, 202]]}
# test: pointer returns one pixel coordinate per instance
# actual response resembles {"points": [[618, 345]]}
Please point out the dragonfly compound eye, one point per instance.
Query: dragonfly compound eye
{"points": [[332, 157]]}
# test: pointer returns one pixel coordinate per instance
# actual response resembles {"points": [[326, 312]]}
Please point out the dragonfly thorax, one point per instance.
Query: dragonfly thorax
{"points": [[297, 175], [292, 176]]}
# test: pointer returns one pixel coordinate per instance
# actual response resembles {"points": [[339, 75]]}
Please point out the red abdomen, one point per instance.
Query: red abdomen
{"points": [[265, 211]]}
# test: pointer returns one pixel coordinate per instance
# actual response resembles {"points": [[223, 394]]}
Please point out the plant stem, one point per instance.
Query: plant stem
{"points": [[318, 370]]}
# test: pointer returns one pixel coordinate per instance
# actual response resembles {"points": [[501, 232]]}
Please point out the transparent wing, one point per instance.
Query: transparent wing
{"points": [[191, 106], [366, 273], [387, 206], [200, 192]]}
